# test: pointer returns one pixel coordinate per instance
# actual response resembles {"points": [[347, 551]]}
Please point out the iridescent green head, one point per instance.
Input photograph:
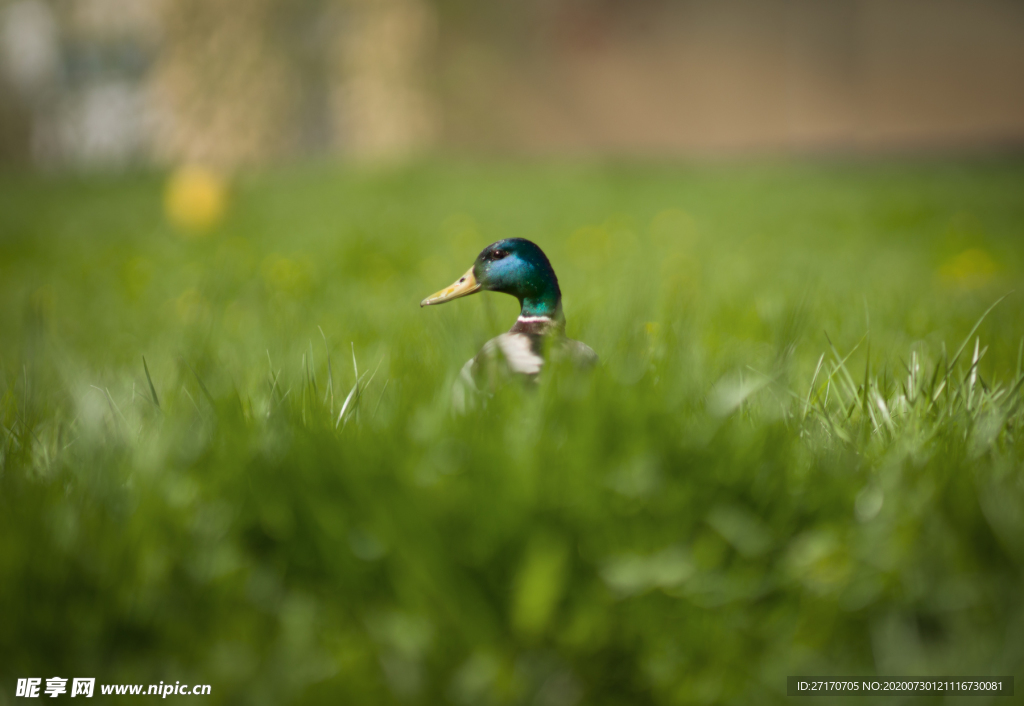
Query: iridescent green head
{"points": [[514, 266]]}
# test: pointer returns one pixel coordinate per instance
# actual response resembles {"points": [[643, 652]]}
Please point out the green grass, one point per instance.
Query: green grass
{"points": [[799, 455]]}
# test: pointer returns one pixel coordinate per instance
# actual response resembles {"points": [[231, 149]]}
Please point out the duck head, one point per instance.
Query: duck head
{"points": [[514, 266]]}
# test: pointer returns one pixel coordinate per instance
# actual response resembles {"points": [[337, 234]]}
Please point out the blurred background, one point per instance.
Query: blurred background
{"points": [[227, 452], [226, 83]]}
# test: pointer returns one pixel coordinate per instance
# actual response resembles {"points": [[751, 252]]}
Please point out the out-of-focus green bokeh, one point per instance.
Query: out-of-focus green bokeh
{"points": [[725, 501]]}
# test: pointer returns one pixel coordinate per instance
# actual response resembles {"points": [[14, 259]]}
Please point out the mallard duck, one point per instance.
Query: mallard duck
{"points": [[518, 267]]}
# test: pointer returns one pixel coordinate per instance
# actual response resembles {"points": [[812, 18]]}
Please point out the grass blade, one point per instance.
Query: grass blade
{"points": [[152, 389], [967, 340], [330, 373]]}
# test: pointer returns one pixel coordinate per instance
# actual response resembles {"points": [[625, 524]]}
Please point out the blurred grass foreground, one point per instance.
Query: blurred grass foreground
{"points": [[228, 456]]}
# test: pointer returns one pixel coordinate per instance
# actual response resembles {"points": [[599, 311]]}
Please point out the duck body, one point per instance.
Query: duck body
{"points": [[524, 350], [518, 267]]}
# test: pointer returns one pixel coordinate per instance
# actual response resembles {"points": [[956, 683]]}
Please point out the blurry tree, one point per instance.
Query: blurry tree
{"points": [[15, 127], [28, 74], [222, 87], [241, 81], [380, 102]]}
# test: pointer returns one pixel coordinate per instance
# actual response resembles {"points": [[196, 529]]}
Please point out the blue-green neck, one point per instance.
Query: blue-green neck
{"points": [[547, 304]]}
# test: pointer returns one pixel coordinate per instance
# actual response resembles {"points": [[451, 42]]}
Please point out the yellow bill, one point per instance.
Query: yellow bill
{"points": [[466, 284]]}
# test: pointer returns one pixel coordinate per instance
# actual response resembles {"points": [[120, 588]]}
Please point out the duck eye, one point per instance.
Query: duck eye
{"points": [[499, 254]]}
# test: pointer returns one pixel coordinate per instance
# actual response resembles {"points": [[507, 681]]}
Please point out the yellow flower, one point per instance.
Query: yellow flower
{"points": [[971, 268], [195, 199]]}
